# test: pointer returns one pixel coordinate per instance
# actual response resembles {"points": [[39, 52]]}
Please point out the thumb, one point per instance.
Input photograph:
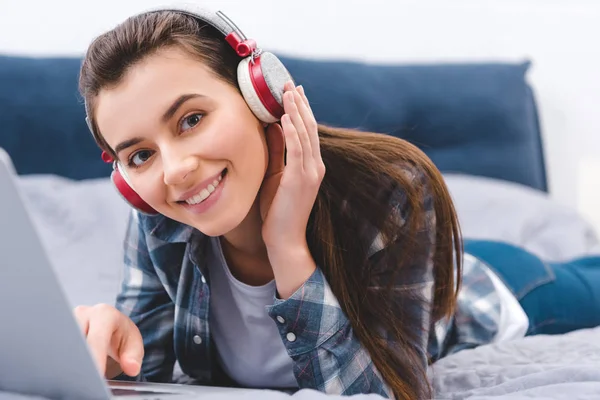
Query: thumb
{"points": [[276, 145], [131, 352]]}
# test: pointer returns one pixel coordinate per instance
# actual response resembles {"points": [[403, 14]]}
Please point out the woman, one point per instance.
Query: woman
{"points": [[267, 250]]}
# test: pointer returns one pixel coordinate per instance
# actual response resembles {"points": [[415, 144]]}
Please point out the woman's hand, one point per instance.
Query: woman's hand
{"points": [[291, 184], [115, 341]]}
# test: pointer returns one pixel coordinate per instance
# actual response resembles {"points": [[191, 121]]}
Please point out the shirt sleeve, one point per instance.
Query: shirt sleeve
{"points": [[318, 335], [143, 299]]}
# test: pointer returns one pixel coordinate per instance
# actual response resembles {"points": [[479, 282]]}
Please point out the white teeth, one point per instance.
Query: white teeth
{"points": [[194, 200], [203, 195]]}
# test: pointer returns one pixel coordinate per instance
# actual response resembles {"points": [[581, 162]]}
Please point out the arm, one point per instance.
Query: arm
{"points": [[320, 339], [144, 300]]}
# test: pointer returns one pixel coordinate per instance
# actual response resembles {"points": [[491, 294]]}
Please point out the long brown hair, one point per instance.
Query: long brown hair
{"points": [[364, 173]]}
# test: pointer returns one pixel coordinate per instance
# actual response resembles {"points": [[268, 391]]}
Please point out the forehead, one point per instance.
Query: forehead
{"points": [[149, 88]]}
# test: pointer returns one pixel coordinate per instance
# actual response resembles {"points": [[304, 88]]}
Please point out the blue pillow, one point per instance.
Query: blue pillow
{"points": [[42, 118], [470, 118], [479, 119]]}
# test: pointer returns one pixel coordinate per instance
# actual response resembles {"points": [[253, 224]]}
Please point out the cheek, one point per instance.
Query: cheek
{"points": [[149, 188], [246, 150]]}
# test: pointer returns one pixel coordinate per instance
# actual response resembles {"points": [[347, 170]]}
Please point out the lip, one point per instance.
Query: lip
{"points": [[196, 189], [209, 202]]}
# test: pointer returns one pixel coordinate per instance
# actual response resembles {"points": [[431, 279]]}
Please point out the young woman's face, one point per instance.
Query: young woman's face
{"points": [[191, 147]]}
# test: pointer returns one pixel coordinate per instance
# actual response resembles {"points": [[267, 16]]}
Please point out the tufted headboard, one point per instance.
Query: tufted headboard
{"points": [[478, 119]]}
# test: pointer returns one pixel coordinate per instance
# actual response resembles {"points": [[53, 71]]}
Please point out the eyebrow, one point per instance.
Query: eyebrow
{"points": [[178, 103], [127, 143], [165, 118]]}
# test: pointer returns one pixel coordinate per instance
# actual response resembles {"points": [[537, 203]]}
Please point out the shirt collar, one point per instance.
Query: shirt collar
{"points": [[168, 230]]}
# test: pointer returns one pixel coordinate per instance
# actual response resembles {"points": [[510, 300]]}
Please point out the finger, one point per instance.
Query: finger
{"points": [[131, 351], [305, 99], [311, 124], [82, 318], [99, 340], [292, 144], [296, 118], [276, 146], [289, 85]]}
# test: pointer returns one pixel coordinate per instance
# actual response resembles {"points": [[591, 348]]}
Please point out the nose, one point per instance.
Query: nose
{"points": [[177, 168]]}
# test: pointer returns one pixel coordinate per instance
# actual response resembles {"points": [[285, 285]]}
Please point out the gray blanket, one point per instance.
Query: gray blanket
{"points": [[540, 367]]}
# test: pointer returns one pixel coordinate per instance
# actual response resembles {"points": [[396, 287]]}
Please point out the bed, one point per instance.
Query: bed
{"points": [[478, 123]]}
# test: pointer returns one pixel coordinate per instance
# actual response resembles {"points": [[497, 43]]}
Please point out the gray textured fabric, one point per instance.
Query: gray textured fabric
{"points": [[499, 210], [275, 73], [541, 367]]}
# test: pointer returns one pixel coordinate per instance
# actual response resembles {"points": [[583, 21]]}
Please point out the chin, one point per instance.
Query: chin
{"points": [[219, 228], [219, 225]]}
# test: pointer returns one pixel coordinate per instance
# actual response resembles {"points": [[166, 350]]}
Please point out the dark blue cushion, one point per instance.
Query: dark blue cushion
{"points": [[477, 119], [42, 118]]}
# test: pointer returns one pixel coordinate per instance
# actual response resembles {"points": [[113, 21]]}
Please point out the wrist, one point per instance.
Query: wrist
{"points": [[292, 266], [278, 251]]}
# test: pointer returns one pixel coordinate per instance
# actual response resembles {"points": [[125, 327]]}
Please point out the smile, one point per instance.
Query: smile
{"points": [[205, 193]]}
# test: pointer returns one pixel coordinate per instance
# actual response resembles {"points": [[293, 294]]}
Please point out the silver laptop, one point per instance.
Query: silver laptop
{"points": [[42, 349]]}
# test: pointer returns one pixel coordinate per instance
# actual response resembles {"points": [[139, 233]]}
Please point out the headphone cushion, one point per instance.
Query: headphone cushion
{"points": [[129, 195], [275, 76], [250, 95]]}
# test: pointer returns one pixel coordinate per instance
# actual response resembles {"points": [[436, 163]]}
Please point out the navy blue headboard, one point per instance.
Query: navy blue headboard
{"points": [[479, 119]]}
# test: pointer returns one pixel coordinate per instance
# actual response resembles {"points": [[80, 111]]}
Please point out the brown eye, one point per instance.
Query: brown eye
{"points": [[139, 157], [190, 121]]}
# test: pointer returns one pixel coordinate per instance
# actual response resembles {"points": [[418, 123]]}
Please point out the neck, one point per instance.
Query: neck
{"points": [[245, 250]]}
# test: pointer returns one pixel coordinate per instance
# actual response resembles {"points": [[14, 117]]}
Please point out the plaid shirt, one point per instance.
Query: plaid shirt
{"points": [[166, 292]]}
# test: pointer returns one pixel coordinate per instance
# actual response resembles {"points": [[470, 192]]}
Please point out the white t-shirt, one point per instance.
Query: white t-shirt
{"points": [[248, 342]]}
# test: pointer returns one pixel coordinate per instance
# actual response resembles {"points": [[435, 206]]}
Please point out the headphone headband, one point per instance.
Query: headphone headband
{"points": [[215, 18], [234, 36]]}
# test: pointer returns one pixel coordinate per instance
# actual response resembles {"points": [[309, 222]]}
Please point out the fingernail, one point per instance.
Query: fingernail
{"points": [[301, 89], [292, 98]]}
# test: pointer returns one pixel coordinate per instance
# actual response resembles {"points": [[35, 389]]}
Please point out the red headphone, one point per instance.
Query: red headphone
{"points": [[261, 78]]}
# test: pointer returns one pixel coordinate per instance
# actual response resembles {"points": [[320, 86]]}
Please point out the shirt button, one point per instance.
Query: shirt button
{"points": [[280, 319], [291, 337], [197, 339], [203, 279]]}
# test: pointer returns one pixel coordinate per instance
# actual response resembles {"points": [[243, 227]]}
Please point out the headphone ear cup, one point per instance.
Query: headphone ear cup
{"points": [[262, 81], [128, 194]]}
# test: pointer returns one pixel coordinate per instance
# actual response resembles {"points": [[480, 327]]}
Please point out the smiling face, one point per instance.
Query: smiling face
{"points": [[189, 144]]}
